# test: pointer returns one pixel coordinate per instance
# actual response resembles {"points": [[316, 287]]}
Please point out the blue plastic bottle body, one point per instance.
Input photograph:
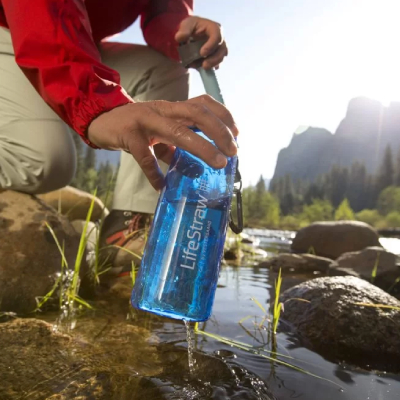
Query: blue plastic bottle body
{"points": [[180, 266]]}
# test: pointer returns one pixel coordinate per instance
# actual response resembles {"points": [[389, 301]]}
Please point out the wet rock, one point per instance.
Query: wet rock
{"points": [[363, 262], [215, 378], [37, 362], [298, 263], [331, 322], [74, 203], [112, 361], [332, 239], [29, 257]]}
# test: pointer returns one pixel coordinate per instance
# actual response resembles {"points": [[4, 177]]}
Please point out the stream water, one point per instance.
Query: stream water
{"points": [[218, 370]]}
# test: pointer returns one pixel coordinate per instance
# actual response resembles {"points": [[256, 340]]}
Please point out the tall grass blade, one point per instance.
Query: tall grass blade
{"points": [[277, 304], [375, 268], [250, 349], [259, 305], [378, 306]]}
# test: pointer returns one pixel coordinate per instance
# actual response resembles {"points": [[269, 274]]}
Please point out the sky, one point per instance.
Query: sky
{"points": [[297, 63]]}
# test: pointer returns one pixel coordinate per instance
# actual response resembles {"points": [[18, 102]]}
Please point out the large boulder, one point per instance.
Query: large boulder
{"points": [[29, 258], [74, 203], [333, 321], [298, 263], [363, 262], [331, 239]]}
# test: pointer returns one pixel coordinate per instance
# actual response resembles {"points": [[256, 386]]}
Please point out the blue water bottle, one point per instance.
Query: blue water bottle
{"points": [[181, 261]]}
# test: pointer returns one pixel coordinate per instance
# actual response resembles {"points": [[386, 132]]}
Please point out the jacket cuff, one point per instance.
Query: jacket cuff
{"points": [[88, 109]]}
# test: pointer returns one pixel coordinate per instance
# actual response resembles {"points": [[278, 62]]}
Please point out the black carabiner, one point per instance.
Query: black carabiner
{"points": [[237, 191]]}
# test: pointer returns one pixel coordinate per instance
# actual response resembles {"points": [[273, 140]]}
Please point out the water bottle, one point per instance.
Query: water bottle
{"points": [[181, 261]]}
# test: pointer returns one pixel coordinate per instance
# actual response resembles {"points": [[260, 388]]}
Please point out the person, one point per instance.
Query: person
{"points": [[59, 69]]}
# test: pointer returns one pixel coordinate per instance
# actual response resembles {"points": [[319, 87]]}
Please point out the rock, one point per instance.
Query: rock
{"points": [[332, 323], [332, 239], [298, 263], [337, 271], [74, 203], [363, 262], [29, 257], [37, 362], [116, 363]]}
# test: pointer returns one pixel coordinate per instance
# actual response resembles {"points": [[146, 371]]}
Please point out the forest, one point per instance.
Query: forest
{"points": [[344, 193]]}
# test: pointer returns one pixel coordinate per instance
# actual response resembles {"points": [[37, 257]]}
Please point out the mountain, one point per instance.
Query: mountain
{"points": [[362, 135]]}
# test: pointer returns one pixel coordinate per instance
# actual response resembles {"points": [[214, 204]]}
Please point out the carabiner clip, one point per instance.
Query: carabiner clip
{"points": [[237, 191]]}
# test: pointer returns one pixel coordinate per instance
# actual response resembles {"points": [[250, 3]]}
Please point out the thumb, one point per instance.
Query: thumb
{"points": [[186, 29]]}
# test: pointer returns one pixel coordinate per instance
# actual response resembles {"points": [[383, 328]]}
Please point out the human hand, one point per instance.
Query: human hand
{"points": [[152, 129], [215, 49]]}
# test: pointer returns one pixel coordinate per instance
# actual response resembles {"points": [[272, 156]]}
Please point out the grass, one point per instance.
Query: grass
{"points": [[68, 280], [277, 304], [375, 268], [271, 356], [378, 306]]}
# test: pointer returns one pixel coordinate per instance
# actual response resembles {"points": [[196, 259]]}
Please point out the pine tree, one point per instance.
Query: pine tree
{"points": [[287, 200], [344, 212], [386, 171], [90, 158], [337, 183], [79, 172], [356, 186], [397, 173]]}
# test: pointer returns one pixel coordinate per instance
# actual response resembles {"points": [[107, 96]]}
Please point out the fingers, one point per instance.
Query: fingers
{"points": [[147, 162], [186, 29], [216, 58], [214, 33], [164, 152], [175, 133], [198, 28], [217, 109], [207, 122]]}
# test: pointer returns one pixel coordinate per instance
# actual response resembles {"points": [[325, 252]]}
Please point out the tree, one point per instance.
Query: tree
{"points": [[336, 184], [397, 173], [357, 186], [389, 200], [79, 172], [344, 212], [287, 199], [386, 171], [393, 219], [370, 217], [318, 210], [270, 205], [90, 158]]}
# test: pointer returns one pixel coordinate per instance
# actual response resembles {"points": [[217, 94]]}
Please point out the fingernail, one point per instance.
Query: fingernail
{"points": [[221, 160]]}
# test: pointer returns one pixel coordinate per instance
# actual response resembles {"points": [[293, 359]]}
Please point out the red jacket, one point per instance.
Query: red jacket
{"points": [[55, 46]]}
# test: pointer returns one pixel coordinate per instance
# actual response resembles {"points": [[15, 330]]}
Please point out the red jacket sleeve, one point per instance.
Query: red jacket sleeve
{"points": [[54, 48], [161, 21]]}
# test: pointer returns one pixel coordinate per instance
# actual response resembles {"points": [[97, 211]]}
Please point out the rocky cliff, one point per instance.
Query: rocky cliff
{"points": [[362, 135]]}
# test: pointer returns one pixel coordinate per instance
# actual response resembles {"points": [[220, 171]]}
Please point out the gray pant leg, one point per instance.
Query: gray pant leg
{"points": [[145, 75], [37, 153]]}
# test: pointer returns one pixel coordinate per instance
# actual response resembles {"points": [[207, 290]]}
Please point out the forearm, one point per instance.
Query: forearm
{"points": [[55, 50]]}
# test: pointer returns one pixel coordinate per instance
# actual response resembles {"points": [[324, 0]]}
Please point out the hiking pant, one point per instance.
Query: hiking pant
{"points": [[37, 153]]}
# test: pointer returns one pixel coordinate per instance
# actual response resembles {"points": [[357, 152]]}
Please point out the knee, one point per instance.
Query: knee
{"points": [[40, 162]]}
